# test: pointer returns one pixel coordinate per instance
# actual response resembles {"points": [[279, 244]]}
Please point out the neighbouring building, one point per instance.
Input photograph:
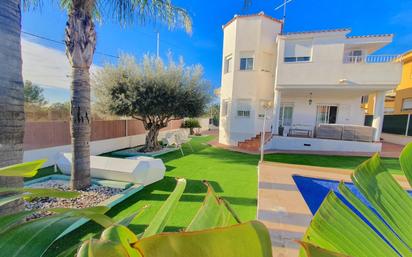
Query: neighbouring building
{"points": [[309, 84], [399, 100]]}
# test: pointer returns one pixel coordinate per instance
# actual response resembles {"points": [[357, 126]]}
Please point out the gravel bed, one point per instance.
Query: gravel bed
{"points": [[89, 197]]}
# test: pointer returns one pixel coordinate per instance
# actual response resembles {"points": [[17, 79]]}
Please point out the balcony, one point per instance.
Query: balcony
{"points": [[374, 72], [372, 59]]}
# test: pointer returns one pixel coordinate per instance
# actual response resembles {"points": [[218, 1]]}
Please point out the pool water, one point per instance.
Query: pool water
{"points": [[314, 191]]}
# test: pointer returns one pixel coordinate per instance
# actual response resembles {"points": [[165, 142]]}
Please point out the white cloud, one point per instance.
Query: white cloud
{"points": [[46, 66]]}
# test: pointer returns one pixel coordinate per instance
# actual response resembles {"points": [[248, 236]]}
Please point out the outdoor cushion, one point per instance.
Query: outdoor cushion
{"points": [[329, 131], [139, 170]]}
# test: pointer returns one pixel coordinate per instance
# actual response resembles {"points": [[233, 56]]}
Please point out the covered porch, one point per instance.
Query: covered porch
{"points": [[326, 119]]}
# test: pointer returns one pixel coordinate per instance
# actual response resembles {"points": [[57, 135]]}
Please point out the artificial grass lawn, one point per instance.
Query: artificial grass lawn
{"points": [[342, 162], [233, 176]]}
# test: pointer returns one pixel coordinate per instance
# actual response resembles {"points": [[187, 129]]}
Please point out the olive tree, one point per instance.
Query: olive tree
{"points": [[152, 92]]}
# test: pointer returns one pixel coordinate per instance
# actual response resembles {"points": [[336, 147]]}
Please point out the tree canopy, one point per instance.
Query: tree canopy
{"points": [[33, 94], [151, 91]]}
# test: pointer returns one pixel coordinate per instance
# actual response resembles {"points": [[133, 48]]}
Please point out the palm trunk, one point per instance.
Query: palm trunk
{"points": [[152, 143], [80, 44], [11, 96]]}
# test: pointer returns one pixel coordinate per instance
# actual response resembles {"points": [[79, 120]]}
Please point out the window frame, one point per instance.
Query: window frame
{"points": [[243, 112], [403, 104], [327, 116], [228, 64], [246, 67], [281, 118]]}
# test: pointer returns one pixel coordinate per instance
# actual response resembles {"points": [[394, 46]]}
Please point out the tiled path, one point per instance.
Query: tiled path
{"points": [[281, 206]]}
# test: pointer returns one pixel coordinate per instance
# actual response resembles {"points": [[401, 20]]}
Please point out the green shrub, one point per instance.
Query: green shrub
{"points": [[191, 124]]}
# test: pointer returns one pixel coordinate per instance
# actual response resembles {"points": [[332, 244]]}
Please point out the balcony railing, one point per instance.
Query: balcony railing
{"points": [[372, 59]]}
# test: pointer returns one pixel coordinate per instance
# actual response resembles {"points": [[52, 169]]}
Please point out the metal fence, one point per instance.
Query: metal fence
{"points": [[399, 124]]}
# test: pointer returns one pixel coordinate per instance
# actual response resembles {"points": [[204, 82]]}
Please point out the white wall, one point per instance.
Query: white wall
{"points": [[96, 147], [327, 66], [349, 109], [323, 145], [247, 36]]}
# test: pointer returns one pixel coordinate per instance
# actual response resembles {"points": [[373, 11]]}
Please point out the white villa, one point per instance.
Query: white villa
{"points": [[313, 83]]}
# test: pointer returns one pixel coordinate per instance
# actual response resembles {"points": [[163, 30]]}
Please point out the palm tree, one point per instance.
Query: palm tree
{"points": [[11, 95], [80, 47]]}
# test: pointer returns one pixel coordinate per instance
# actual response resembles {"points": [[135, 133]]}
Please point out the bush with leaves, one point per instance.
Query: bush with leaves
{"points": [[191, 124], [152, 92]]}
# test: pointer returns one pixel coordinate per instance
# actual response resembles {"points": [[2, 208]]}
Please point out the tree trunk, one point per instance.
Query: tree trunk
{"points": [[80, 46], [191, 131], [11, 96], [152, 143]]}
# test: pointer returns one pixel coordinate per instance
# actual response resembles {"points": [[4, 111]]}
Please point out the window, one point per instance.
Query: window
{"points": [[407, 104], [243, 108], [297, 59], [355, 56], [246, 63], [365, 99], [225, 107], [286, 115], [298, 50], [326, 114], [389, 110], [228, 64]]}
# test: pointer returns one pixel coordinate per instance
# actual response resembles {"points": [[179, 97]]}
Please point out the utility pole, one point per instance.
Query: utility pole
{"points": [[158, 45]]}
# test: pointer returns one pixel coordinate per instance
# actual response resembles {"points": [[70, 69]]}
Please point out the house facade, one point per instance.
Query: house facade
{"points": [[307, 86], [398, 101]]}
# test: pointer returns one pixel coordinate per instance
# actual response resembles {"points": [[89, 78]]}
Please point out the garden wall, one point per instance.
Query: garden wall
{"points": [[45, 140], [57, 133]]}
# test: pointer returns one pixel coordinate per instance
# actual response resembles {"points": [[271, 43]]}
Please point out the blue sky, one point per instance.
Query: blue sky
{"points": [[204, 46]]}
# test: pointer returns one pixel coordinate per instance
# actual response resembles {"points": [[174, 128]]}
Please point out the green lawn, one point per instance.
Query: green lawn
{"points": [[342, 162], [233, 175]]}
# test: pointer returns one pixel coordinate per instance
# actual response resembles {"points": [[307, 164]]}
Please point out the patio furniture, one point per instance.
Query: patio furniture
{"points": [[358, 133], [329, 131], [299, 132], [345, 132], [183, 137], [138, 170]]}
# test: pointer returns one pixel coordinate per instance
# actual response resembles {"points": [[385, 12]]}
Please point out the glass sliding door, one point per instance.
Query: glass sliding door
{"points": [[286, 115], [326, 114]]}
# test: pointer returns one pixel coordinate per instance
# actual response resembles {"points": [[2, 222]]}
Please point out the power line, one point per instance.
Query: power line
{"points": [[62, 43]]}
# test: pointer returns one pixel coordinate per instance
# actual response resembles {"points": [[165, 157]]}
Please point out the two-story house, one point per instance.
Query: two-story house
{"points": [[312, 82]]}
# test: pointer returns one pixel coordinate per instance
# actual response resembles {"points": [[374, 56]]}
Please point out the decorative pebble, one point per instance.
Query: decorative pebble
{"points": [[89, 197]]}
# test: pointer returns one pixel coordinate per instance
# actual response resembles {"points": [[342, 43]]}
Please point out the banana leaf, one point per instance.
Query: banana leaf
{"points": [[27, 169], [241, 240], [405, 161], [336, 228], [159, 221], [315, 251], [215, 212], [33, 238], [39, 192]]}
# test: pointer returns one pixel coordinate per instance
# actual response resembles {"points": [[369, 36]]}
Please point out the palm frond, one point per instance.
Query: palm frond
{"points": [[144, 11]]}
